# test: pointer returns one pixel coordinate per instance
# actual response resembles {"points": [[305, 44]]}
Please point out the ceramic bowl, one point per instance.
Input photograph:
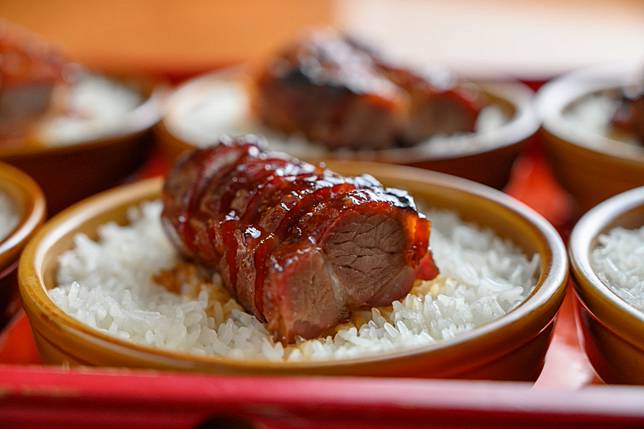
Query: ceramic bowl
{"points": [[611, 330], [68, 173], [510, 348], [29, 204], [591, 166], [498, 148]]}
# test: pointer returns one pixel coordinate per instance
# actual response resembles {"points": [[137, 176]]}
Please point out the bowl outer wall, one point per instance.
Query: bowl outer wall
{"points": [[71, 172], [591, 167], [611, 330], [30, 204]]}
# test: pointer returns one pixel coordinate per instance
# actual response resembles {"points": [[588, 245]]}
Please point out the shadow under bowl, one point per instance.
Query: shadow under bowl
{"points": [[510, 348], [610, 329]]}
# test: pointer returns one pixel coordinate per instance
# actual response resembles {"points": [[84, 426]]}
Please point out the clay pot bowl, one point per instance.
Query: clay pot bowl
{"points": [[29, 203], [72, 172], [510, 348], [611, 330], [491, 164], [592, 167]]}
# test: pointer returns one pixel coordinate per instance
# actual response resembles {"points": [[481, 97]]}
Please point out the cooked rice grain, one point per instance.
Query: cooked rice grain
{"points": [[618, 261], [8, 216], [108, 285]]}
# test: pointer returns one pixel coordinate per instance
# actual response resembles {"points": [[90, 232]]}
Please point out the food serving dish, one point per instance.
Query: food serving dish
{"points": [[207, 106], [74, 131], [27, 207], [37, 393], [72, 158], [612, 329], [511, 348], [590, 159]]}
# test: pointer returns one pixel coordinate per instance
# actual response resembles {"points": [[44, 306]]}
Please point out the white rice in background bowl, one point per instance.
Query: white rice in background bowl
{"points": [[8, 215], [92, 107], [219, 104], [618, 260], [591, 115], [580, 105], [108, 285]]}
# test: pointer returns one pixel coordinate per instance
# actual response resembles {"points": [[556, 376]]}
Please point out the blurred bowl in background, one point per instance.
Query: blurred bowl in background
{"points": [[218, 103], [27, 200], [590, 160], [611, 330], [72, 156]]}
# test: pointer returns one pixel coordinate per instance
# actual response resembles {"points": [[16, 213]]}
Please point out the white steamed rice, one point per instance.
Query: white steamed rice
{"points": [[107, 285], [93, 107], [223, 108], [8, 215], [618, 260], [591, 115]]}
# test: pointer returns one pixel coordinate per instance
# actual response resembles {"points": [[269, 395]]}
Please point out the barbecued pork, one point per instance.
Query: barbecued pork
{"points": [[29, 71], [298, 245], [340, 93], [629, 116]]}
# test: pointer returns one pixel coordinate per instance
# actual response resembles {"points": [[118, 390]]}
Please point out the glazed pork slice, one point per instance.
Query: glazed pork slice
{"points": [[330, 92], [629, 116], [29, 71], [341, 93], [297, 245], [433, 107], [435, 103]]}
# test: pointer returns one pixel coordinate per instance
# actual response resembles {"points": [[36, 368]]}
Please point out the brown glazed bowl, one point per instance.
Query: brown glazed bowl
{"points": [[491, 164], [611, 330], [29, 203], [592, 167], [69, 173], [510, 348]]}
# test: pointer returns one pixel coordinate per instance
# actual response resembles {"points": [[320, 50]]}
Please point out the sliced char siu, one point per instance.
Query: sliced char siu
{"points": [[298, 245], [29, 71], [340, 93], [629, 116]]}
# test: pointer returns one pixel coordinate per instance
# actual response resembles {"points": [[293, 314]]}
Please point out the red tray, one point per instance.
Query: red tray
{"points": [[563, 396]]}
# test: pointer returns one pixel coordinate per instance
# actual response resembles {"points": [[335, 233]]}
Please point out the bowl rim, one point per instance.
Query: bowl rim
{"points": [[144, 117], [605, 305], [549, 290], [555, 96], [522, 126], [32, 212]]}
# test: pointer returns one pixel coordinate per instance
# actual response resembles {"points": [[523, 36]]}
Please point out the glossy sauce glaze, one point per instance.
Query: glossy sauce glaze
{"points": [[248, 213], [343, 94]]}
